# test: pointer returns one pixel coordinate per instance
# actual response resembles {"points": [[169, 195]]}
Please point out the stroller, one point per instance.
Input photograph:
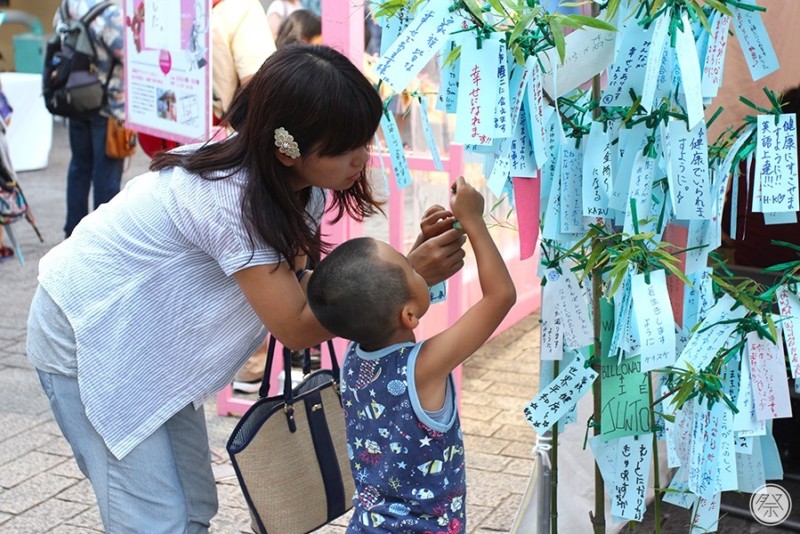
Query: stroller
{"points": [[13, 206]]}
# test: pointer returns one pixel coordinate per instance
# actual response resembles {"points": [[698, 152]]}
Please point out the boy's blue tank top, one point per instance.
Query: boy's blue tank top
{"points": [[408, 468]]}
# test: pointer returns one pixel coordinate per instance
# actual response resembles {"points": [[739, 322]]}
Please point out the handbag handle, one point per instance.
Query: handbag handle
{"points": [[263, 391]]}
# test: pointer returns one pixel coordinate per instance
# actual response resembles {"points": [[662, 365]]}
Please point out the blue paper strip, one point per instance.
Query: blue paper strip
{"points": [[428, 133], [394, 145], [752, 34]]}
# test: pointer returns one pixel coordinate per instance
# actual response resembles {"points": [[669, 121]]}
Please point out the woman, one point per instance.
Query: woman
{"points": [[160, 295]]}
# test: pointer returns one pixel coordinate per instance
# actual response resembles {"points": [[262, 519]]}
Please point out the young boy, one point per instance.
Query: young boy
{"points": [[404, 438]]}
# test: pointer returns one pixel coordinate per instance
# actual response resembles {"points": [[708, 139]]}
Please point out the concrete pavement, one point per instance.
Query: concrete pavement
{"points": [[42, 490]]}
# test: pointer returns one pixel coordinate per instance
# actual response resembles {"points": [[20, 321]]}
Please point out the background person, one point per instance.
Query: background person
{"points": [[90, 168], [302, 26], [278, 11]]}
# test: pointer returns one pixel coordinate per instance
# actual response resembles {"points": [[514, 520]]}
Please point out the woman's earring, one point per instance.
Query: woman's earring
{"points": [[286, 143]]}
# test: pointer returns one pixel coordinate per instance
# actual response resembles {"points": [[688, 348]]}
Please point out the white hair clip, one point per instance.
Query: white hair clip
{"points": [[286, 143]]}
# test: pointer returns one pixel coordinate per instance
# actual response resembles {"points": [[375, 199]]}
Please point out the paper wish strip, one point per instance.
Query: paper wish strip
{"points": [[679, 494], [750, 469], [630, 477], [640, 191], [628, 70], [417, 44], [536, 115], [745, 421], [606, 454], [768, 376], [477, 91], [391, 27], [711, 459], [754, 40], [596, 182], [564, 315], [689, 65], [625, 394], [705, 515], [710, 336], [679, 435], [655, 58], [714, 62], [776, 163], [523, 164], [560, 396], [789, 306], [503, 127], [571, 178], [588, 52], [653, 313], [438, 292], [428, 133], [394, 145], [551, 330], [448, 90], [689, 182]]}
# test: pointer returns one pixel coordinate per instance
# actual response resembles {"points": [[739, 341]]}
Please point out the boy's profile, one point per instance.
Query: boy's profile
{"points": [[404, 437]]}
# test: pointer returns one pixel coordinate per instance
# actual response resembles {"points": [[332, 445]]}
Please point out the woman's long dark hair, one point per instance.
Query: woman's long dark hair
{"points": [[327, 105]]}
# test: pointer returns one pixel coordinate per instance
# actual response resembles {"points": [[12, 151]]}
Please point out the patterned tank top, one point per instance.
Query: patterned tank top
{"points": [[408, 468]]}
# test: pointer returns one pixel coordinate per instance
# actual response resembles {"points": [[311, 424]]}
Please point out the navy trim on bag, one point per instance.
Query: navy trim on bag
{"points": [[323, 444]]}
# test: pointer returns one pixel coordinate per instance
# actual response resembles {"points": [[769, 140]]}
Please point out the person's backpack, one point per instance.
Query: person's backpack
{"points": [[70, 83]]}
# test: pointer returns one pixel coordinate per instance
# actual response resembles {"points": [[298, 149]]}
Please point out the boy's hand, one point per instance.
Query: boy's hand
{"points": [[436, 221], [466, 202]]}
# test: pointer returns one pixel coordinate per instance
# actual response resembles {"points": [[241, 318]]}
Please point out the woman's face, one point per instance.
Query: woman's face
{"points": [[328, 172]]}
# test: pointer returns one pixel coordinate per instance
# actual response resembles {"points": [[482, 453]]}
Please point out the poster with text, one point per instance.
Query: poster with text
{"points": [[167, 69]]}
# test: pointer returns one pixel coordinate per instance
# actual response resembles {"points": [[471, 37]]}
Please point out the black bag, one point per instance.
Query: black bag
{"points": [[290, 452], [70, 82]]}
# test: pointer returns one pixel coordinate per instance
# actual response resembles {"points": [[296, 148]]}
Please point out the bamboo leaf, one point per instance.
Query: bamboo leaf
{"points": [[700, 14], [451, 58], [719, 6], [474, 8], [578, 21], [389, 8], [523, 24], [499, 7], [558, 38], [772, 329], [677, 272], [788, 266], [785, 244]]}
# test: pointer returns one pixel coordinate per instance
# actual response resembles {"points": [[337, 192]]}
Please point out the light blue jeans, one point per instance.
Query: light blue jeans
{"points": [[164, 485]]}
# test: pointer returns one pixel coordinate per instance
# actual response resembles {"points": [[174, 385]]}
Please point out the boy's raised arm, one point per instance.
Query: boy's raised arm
{"points": [[445, 351]]}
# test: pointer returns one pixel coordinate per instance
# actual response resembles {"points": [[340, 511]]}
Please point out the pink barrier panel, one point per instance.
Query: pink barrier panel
{"points": [[343, 29]]}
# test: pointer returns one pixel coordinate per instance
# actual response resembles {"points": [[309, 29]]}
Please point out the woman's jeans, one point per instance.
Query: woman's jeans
{"points": [[164, 485], [89, 168]]}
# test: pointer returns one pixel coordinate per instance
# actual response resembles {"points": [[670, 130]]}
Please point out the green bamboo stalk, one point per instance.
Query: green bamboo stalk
{"points": [[599, 516], [554, 470], [656, 481]]}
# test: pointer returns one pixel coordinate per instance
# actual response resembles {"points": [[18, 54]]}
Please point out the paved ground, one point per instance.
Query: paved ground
{"points": [[42, 490]]}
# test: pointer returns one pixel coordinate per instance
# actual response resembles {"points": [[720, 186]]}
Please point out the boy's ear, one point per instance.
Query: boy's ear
{"points": [[408, 317]]}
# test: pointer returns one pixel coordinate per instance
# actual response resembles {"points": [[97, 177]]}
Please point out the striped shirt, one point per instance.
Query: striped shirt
{"points": [[145, 283]]}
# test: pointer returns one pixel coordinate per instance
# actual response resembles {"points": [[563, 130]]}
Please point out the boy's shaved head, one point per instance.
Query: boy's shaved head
{"points": [[357, 295]]}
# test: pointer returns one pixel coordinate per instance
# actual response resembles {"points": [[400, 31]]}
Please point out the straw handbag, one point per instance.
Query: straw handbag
{"points": [[290, 452]]}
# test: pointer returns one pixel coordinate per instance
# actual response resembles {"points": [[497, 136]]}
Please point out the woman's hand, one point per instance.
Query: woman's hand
{"points": [[435, 221], [437, 254]]}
